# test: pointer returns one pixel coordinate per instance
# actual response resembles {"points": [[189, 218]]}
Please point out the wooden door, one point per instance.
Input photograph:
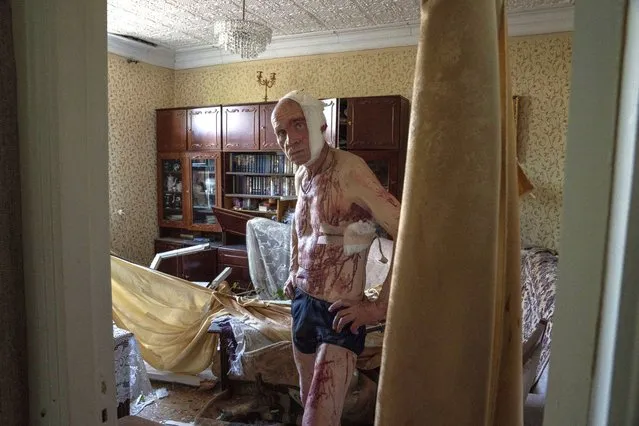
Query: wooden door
{"points": [[171, 190], [373, 123], [204, 129], [384, 165], [203, 190], [170, 130], [241, 128], [330, 112], [268, 140]]}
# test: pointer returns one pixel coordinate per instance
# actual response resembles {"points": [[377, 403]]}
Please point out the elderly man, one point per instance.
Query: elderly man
{"points": [[339, 198]]}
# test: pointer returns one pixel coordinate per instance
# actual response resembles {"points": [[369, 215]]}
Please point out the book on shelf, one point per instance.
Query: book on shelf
{"points": [[265, 163], [264, 185]]}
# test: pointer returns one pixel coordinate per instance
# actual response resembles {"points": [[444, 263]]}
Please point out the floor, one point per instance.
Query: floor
{"points": [[182, 403]]}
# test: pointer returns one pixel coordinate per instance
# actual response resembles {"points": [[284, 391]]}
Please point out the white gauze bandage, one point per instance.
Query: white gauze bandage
{"points": [[314, 114], [358, 237]]}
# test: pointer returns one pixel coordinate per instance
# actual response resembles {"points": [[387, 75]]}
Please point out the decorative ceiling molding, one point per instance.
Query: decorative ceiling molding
{"points": [[548, 20], [160, 56], [530, 22]]}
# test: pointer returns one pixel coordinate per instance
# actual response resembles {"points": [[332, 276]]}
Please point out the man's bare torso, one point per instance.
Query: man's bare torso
{"points": [[324, 209]]}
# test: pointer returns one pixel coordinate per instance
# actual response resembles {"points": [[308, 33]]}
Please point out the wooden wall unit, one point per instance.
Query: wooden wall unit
{"points": [[171, 130], [268, 140], [204, 131], [241, 128], [374, 122]]}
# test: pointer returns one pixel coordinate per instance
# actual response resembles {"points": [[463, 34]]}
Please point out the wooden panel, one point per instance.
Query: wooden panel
{"points": [[385, 166], [268, 140], [236, 258], [233, 258], [240, 128], [205, 129], [330, 112], [200, 266], [171, 130], [374, 123], [168, 266]]}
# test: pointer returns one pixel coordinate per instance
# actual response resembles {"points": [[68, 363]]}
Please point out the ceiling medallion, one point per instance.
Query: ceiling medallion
{"points": [[242, 37]]}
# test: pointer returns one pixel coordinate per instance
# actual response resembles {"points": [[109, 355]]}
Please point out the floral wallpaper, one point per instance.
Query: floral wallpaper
{"points": [[541, 69], [363, 73], [135, 91], [540, 74]]}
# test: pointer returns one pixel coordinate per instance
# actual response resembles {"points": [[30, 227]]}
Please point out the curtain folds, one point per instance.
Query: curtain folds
{"points": [[452, 351]]}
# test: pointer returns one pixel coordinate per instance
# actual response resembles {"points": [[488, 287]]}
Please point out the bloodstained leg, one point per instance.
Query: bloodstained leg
{"points": [[305, 365], [334, 367]]}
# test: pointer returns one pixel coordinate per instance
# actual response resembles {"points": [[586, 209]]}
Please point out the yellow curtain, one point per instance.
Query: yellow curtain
{"points": [[170, 318], [452, 350]]}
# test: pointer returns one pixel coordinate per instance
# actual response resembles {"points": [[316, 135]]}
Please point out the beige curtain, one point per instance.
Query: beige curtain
{"points": [[452, 354], [13, 356]]}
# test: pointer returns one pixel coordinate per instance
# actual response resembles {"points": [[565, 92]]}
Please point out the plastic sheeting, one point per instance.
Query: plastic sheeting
{"points": [[268, 246]]}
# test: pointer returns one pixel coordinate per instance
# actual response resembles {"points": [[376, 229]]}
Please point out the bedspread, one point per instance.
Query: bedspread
{"points": [[538, 285]]}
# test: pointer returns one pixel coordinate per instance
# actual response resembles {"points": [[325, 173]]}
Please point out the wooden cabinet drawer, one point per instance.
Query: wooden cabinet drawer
{"points": [[232, 259]]}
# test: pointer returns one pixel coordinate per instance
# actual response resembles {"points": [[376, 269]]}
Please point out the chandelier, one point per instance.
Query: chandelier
{"points": [[243, 37]]}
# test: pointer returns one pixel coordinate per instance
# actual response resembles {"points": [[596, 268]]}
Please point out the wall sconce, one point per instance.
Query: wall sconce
{"points": [[267, 83]]}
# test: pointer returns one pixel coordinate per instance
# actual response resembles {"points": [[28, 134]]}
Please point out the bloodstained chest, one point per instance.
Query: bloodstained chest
{"points": [[325, 200]]}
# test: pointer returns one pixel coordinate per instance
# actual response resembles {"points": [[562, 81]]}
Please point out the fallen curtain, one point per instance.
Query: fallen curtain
{"points": [[170, 318], [456, 272]]}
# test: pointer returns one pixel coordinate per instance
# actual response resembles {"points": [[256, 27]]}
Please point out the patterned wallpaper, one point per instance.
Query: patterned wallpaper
{"points": [[135, 91], [541, 68], [364, 73], [540, 73]]}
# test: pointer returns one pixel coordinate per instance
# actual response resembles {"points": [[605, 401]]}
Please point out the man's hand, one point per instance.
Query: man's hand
{"points": [[289, 288], [358, 313]]}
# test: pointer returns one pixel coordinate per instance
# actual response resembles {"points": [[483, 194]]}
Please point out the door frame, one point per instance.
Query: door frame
{"points": [[61, 59], [593, 365]]}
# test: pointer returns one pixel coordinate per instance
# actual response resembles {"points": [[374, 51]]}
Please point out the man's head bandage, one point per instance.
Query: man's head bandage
{"points": [[313, 110]]}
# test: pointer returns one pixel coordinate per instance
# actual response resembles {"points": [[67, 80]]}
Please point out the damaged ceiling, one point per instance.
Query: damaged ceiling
{"points": [[182, 24]]}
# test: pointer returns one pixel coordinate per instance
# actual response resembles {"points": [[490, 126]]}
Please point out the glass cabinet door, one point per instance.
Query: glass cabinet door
{"points": [[204, 188], [171, 194]]}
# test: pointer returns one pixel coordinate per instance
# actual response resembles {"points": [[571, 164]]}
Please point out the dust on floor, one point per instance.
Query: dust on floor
{"points": [[182, 403]]}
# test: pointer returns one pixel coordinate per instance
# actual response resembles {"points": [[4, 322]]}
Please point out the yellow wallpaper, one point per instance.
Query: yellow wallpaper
{"points": [[363, 73], [541, 68], [540, 73], [135, 91]]}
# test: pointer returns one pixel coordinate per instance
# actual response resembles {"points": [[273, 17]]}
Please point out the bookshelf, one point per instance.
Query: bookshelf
{"points": [[259, 183]]}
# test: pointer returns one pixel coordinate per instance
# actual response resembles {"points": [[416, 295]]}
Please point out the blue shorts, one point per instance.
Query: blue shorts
{"points": [[313, 325]]}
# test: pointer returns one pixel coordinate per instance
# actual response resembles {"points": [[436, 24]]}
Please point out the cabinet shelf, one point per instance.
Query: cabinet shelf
{"points": [[269, 213], [261, 174], [275, 197]]}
